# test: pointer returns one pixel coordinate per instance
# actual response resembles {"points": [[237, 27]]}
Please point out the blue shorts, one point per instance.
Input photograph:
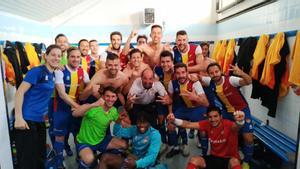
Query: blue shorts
{"points": [[102, 146], [248, 126], [62, 120], [162, 109], [190, 114]]}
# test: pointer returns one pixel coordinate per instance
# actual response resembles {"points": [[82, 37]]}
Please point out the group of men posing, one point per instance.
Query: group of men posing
{"points": [[160, 88]]}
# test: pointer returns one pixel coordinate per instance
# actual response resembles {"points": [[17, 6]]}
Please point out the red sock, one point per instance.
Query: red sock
{"points": [[237, 167], [191, 166]]}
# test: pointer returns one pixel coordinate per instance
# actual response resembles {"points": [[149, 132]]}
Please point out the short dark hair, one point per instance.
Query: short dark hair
{"points": [[213, 108], [115, 33], [111, 56], [93, 40], [155, 26], [49, 48], [134, 50], [142, 117], [213, 64], [180, 65], [181, 32], [58, 36], [204, 44], [70, 49], [166, 53], [142, 36], [111, 89], [82, 40]]}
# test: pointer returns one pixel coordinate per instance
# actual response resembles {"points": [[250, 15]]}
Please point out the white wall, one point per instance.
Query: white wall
{"points": [[283, 15]]}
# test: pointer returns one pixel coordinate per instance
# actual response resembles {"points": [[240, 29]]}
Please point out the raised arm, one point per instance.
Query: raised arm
{"points": [[245, 78]]}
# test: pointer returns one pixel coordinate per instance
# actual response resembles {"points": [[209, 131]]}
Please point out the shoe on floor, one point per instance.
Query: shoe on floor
{"points": [[185, 150], [174, 151]]}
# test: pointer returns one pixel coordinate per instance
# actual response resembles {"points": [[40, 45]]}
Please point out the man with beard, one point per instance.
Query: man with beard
{"points": [[145, 145], [115, 47], [134, 68], [189, 103], [186, 53], [87, 62], [227, 90], [164, 73], [203, 63], [111, 76], [142, 97], [223, 138], [69, 83], [153, 49], [92, 136]]}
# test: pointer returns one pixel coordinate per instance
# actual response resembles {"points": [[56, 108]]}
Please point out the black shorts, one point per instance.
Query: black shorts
{"points": [[213, 162]]}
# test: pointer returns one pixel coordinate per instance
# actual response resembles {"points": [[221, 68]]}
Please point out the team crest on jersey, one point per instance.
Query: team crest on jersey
{"points": [[68, 77], [146, 140], [46, 78]]}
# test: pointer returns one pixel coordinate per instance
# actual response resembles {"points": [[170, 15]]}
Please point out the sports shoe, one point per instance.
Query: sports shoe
{"points": [[245, 165], [163, 148], [191, 133], [172, 152], [185, 150]]}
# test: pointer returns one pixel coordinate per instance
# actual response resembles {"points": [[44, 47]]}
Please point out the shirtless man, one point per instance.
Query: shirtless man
{"points": [[205, 60], [115, 47], [111, 76], [153, 49], [134, 68]]}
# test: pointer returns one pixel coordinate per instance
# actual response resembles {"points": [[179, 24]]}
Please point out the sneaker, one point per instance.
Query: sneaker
{"points": [[172, 152], [69, 152], [163, 148], [191, 134], [245, 165], [199, 145], [185, 150]]}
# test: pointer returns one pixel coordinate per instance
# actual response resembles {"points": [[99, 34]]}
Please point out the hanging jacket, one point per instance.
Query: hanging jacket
{"points": [[10, 52], [259, 54], [229, 56], [245, 54], [221, 53], [22, 55], [32, 55], [295, 64], [216, 49], [9, 71], [270, 95], [258, 65], [273, 58]]}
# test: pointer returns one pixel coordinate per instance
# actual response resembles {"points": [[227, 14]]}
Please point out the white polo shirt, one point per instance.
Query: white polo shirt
{"points": [[146, 96]]}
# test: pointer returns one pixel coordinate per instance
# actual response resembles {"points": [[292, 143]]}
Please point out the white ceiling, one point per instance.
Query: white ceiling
{"points": [[38, 10]]}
